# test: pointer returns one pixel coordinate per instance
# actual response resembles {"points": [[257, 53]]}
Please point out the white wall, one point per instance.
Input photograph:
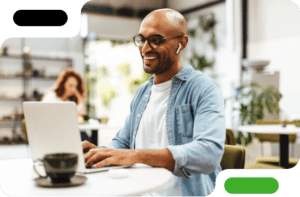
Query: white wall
{"points": [[180, 5], [274, 35], [113, 27]]}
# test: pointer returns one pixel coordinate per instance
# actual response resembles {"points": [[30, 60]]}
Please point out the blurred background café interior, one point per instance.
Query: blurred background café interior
{"points": [[249, 47]]}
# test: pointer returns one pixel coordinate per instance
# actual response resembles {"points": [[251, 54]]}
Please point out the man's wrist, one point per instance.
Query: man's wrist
{"points": [[136, 156]]}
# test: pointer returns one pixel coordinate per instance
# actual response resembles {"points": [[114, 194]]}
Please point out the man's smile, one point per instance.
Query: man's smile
{"points": [[149, 58]]}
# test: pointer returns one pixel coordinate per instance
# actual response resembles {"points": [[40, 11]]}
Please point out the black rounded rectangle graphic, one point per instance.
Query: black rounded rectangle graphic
{"points": [[40, 17]]}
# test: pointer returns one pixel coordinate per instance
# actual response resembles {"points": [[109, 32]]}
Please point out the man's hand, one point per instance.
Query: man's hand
{"points": [[103, 157], [86, 146]]}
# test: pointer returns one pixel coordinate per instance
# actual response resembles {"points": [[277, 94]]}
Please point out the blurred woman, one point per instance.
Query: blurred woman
{"points": [[68, 87]]}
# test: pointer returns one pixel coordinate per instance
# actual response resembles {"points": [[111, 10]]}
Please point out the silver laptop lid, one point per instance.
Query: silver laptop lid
{"points": [[51, 128]]}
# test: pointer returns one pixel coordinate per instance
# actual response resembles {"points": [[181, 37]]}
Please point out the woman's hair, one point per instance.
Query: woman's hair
{"points": [[63, 77]]}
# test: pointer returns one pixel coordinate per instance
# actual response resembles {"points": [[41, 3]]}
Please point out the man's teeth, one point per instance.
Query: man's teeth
{"points": [[149, 58]]}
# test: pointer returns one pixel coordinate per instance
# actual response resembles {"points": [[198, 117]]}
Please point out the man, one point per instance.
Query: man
{"points": [[176, 118]]}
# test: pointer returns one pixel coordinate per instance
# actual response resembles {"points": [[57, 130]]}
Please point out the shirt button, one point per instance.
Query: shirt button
{"points": [[133, 137], [139, 115], [147, 96]]}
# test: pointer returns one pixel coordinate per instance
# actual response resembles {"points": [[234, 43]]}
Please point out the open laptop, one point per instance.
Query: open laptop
{"points": [[53, 128]]}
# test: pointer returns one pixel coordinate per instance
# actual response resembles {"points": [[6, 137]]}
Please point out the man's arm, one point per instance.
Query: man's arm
{"points": [[204, 153], [156, 158]]}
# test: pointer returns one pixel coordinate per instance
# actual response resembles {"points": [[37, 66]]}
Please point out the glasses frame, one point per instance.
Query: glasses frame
{"points": [[147, 39]]}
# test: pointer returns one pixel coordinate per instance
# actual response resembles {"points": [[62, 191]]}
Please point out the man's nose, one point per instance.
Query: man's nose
{"points": [[146, 47]]}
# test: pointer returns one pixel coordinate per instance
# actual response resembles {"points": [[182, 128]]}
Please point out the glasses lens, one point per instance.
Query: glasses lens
{"points": [[155, 41], [138, 40]]}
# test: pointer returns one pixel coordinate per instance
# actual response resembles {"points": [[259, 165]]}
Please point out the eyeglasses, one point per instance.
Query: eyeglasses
{"points": [[154, 41]]}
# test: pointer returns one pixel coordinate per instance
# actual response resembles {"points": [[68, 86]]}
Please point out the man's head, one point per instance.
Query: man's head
{"points": [[166, 31]]}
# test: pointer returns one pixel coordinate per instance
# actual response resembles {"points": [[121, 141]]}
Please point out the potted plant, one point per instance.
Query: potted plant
{"points": [[254, 99]]}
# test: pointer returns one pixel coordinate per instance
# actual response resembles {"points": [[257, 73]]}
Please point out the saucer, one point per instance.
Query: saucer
{"points": [[74, 181]]}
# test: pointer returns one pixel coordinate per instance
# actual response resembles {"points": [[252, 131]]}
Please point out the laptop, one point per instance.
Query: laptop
{"points": [[52, 128]]}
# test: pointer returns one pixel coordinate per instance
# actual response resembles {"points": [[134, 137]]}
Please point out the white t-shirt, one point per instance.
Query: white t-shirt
{"points": [[152, 131], [51, 97]]}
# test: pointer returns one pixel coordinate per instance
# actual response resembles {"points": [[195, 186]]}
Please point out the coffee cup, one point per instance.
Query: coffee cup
{"points": [[60, 167]]}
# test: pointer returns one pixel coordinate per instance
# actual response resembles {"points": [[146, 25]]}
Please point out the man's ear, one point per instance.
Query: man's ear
{"points": [[184, 40]]}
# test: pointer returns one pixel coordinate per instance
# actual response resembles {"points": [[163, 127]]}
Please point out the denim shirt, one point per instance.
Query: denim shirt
{"points": [[195, 129]]}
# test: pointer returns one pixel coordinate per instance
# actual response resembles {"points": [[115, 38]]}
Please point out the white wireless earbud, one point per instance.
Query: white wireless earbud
{"points": [[178, 48]]}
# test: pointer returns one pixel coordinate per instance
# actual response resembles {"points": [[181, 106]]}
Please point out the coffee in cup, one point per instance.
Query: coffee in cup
{"points": [[60, 167]]}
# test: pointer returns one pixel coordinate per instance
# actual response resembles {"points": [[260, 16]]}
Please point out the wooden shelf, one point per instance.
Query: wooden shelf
{"points": [[43, 58], [43, 78], [11, 99], [27, 78], [65, 62], [11, 77], [9, 123]]}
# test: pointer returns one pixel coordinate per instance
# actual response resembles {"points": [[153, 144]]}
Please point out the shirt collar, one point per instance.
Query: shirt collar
{"points": [[183, 75]]}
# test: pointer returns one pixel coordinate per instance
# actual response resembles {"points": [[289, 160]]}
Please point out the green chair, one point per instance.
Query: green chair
{"points": [[256, 165], [230, 138], [233, 157]]}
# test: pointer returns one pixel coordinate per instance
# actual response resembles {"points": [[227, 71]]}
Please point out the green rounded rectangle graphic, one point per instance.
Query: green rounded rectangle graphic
{"points": [[251, 185]]}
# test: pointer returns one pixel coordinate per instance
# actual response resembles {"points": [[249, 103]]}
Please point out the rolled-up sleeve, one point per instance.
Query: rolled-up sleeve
{"points": [[204, 153]]}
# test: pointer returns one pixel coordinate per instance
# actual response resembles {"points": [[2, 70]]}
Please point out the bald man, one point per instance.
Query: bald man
{"points": [[176, 118]]}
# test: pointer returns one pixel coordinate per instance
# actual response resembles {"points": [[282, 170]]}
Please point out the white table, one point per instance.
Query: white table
{"points": [[17, 179], [275, 129]]}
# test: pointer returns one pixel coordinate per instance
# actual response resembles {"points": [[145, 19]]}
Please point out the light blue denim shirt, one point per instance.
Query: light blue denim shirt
{"points": [[195, 129]]}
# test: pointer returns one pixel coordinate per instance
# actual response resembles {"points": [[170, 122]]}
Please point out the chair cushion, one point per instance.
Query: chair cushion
{"points": [[274, 137]]}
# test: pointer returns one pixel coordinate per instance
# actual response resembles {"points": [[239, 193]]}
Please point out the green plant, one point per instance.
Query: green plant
{"points": [[191, 32], [103, 120], [102, 71], [119, 42], [261, 98], [200, 62], [253, 100], [124, 69], [213, 41], [107, 93], [241, 139], [208, 23], [135, 82]]}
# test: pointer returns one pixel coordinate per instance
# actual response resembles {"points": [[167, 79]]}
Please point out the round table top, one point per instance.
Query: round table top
{"points": [[17, 179], [272, 129]]}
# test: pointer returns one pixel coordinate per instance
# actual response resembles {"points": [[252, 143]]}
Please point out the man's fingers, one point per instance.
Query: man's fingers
{"points": [[86, 146], [102, 163], [93, 156]]}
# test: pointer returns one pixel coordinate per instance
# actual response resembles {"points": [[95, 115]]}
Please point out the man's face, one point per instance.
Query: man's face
{"points": [[158, 60]]}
